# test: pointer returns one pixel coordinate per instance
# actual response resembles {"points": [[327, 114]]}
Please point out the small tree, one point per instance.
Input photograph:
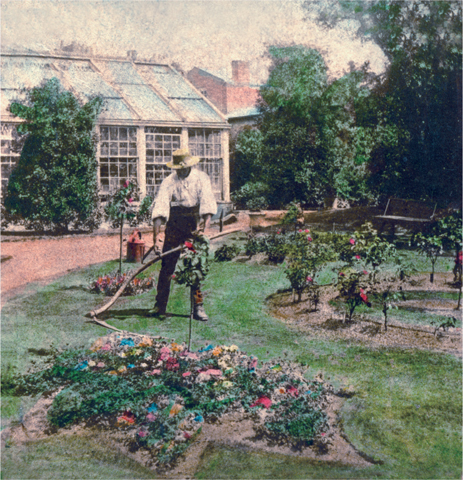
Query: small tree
{"points": [[121, 207], [54, 185], [429, 244]]}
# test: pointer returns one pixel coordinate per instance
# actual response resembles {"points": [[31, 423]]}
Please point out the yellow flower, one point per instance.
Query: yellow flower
{"points": [[175, 409], [97, 345], [91, 363], [138, 351], [122, 369], [146, 342], [217, 351], [231, 348]]}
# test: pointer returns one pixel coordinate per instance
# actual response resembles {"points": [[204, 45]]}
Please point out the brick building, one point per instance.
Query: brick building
{"points": [[149, 111], [227, 96]]}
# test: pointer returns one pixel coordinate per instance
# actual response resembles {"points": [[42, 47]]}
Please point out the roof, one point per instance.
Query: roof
{"points": [[244, 112], [133, 92]]}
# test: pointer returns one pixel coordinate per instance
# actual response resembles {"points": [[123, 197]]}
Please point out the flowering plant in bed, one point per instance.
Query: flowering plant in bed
{"points": [[110, 284], [160, 394]]}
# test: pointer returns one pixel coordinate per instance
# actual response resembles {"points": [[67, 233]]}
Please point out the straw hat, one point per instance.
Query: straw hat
{"points": [[182, 159]]}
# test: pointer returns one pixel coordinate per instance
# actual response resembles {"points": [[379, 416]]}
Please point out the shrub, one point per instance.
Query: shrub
{"points": [[251, 196], [226, 253], [54, 186]]}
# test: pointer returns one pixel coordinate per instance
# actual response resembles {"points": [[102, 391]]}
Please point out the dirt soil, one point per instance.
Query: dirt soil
{"points": [[328, 323]]}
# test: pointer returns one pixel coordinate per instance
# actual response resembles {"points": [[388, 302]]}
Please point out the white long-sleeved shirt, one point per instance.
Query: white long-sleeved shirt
{"points": [[192, 191]]}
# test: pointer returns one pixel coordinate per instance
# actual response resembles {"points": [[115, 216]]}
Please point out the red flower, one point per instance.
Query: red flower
{"points": [[172, 364], [126, 183], [364, 297], [173, 275], [352, 241], [279, 231], [292, 391], [309, 279], [264, 401], [186, 435], [189, 245], [130, 200], [358, 257], [309, 238]]}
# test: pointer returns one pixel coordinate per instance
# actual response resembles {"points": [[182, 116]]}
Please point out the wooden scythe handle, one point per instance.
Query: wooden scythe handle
{"points": [[95, 313]]}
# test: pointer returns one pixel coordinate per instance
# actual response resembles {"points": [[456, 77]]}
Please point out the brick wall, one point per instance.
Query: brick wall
{"points": [[241, 97], [215, 87]]}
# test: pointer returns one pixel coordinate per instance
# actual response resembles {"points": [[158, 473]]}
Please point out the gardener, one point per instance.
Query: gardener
{"points": [[186, 202]]}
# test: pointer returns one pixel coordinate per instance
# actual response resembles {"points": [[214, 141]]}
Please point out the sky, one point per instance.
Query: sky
{"points": [[203, 33]]}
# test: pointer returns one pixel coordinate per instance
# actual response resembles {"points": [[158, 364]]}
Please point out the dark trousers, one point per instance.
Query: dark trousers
{"points": [[182, 221]]}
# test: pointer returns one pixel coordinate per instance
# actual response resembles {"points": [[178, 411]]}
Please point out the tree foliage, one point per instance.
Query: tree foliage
{"points": [[54, 185], [417, 102], [309, 137]]}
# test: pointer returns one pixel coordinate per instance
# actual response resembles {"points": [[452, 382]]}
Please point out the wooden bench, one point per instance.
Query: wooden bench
{"points": [[407, 213]]}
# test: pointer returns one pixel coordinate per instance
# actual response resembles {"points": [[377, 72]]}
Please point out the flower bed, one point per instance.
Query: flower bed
{"points": [[110, 284], [161, 394]]}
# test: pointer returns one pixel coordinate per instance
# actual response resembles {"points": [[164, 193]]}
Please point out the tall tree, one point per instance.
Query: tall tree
{"points": [[308, 129], [55, 184], [418, 99]]}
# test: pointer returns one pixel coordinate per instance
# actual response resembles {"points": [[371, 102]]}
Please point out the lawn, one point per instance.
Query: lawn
{"points": [[405, 413]]}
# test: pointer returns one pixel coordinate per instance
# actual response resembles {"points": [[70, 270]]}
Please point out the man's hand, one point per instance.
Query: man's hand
{"points": [[157, 246]]}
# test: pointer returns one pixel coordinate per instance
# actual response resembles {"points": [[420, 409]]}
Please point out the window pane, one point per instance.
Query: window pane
{"points": [[122, 134], [133, 134], [104, 150], [104, 133], [113, 150], [104, 171], [123, 148], [113, 133]]}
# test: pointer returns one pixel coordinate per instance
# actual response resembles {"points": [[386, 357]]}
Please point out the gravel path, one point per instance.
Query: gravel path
{"points": [[28, 260], [44, 259]]}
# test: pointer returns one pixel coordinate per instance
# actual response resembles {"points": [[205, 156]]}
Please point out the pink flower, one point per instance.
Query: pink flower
{"points": [[106, 347], [365, 272], [292, 391], [323, 434], [100, 364], [150, 417], [358, 257], [264, 401], [186, 435], [173, 275], [307, 230], [130, 200], [126, 183], [186, 374], [142, 433], [300, 230], [156, 371], [309, 238], [212, 371], [279, 231], [309, 279], [352, 241], [341, 274]]}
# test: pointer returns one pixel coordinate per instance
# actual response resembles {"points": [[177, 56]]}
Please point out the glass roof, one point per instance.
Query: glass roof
{"points": [[132, 92]]}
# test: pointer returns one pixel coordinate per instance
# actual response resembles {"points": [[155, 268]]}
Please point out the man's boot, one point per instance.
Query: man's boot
{"points": [[198, 309]]}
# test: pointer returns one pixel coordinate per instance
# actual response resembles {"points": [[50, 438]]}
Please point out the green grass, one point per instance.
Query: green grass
{"points": [[70, 457], [405, 412]]}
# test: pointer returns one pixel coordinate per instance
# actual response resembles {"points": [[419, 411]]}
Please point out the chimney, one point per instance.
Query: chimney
{"points": [[240, 72], [132, 55]]}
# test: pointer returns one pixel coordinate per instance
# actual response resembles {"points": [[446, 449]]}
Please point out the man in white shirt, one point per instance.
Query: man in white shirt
{"points": [[185, 202]]}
